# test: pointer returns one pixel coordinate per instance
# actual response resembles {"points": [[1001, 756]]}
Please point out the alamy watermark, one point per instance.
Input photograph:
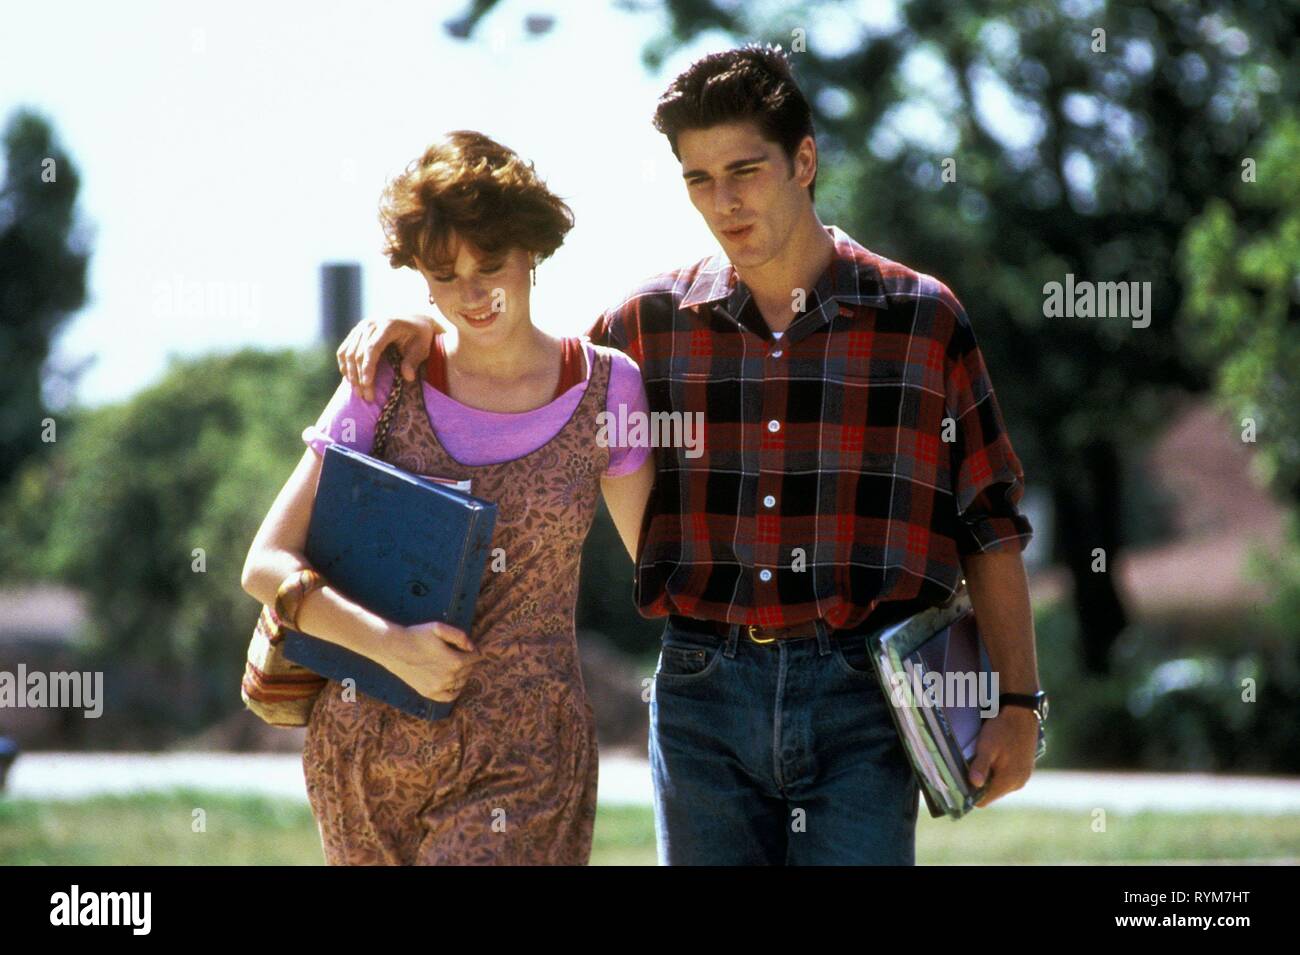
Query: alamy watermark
{"points": [[953, 688], [1098, 300], [76, 907], [59, 689], [657, 429]]}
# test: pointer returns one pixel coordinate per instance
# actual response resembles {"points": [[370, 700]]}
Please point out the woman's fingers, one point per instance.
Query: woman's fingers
{"points": [[454, 636]]}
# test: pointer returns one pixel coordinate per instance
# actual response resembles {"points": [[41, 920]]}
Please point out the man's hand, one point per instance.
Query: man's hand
{"points": [[1004, 752], [360, 352]]}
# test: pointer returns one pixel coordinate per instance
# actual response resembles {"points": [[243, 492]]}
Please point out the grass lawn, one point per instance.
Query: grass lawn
{"points": [[160, 829]]}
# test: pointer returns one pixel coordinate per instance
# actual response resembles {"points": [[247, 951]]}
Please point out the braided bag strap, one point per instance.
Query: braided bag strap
{"points": [[394, 358]]}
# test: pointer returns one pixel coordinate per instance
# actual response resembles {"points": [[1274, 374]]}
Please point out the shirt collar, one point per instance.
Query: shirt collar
{"points": [[853, 279]]}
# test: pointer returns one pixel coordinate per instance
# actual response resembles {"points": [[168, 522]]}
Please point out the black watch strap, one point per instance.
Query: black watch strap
{"points": [[1033, 701]]}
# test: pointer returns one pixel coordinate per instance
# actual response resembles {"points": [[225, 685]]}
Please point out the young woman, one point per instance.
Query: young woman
{"points": [[510, 776]]}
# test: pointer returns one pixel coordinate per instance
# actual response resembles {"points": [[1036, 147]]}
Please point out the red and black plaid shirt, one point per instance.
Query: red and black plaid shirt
{"points": [[828, 486]]}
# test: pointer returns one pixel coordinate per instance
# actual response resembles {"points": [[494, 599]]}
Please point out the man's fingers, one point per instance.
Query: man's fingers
{"points": [[414, 353], [994, 790], [368, 365], [365, 380], [979, 767], [350, 371], [346, 349]]}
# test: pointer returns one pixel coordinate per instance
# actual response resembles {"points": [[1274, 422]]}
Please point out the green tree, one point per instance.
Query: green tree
{"points": [[1241, 269], [43, 260], [148, 507]]}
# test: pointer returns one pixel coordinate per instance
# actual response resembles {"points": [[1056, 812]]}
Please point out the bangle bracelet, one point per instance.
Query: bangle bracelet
{"points": [[291, 593]]}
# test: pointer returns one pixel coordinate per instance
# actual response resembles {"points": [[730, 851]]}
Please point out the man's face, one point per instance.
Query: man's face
{"points": [[744, 187]]}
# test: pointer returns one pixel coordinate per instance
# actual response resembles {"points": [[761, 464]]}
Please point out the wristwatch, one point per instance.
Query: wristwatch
{"points": [[1033, 701]]}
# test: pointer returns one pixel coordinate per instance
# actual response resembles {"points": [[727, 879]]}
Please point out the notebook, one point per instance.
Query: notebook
{"points": [[409, 548], [935, 671]]}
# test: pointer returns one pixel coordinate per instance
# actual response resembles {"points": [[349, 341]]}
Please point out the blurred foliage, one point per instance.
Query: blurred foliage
{"points": [[43, 256], [148, 508], [1242, 273], [1196, 692]]}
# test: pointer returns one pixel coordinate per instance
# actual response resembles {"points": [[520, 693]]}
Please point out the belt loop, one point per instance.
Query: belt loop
{"points": [[732, 638], [823, 637]]}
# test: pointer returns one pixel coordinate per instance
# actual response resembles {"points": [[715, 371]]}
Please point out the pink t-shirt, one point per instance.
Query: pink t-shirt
{"points": [[475, 437]]}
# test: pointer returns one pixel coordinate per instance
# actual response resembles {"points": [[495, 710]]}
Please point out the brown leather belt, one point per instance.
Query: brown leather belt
{"points": [[756, 634]]}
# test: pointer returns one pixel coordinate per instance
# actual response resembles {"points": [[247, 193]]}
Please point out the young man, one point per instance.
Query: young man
{"points": [[855, 468]]}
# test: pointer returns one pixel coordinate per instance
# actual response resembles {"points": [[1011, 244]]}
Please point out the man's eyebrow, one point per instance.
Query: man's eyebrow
{"points": [[751, 161]]}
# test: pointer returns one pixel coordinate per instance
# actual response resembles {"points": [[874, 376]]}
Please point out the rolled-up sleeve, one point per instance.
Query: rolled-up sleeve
{"points": [[988, 480]]}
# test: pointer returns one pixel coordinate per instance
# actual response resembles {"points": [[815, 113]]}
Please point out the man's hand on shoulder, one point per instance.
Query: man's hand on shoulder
{"points": [[360, 352]]}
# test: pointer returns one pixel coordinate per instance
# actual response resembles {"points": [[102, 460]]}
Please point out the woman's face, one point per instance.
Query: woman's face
{"points": [[486, 299]]}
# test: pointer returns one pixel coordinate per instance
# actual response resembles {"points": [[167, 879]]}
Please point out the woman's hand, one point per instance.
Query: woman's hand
{"points": [[435, 659], [360, 352]]}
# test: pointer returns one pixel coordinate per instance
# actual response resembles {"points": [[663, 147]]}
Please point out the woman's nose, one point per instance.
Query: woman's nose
{"points": [[474, 295]]}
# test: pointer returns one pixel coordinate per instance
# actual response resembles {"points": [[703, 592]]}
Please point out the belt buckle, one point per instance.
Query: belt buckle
{"points": [[751, 628]]}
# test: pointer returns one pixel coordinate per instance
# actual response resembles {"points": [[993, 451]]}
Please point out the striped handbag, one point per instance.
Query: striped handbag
{"points": [[278, 690]]}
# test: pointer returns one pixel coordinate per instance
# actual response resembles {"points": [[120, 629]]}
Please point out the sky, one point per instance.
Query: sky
{"points": [[227, 152]]}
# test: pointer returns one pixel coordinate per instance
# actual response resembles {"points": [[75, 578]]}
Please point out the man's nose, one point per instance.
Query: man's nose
{"points": [[725, 200]]}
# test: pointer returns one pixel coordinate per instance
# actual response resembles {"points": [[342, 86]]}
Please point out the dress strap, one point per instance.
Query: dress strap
{"points": [[573, 366], [435, 369]]}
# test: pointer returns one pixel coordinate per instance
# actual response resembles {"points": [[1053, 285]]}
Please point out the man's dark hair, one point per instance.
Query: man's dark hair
{"points": [[754, 83]]}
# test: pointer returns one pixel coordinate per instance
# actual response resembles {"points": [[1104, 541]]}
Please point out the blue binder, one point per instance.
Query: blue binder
{"points": [[406, 548]]}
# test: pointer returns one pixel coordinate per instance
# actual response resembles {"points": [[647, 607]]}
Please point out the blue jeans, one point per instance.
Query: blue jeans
{"points": [[777, 754]]}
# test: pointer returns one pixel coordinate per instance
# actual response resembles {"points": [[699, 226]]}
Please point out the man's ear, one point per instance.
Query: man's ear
{"points": [[805, 161]]}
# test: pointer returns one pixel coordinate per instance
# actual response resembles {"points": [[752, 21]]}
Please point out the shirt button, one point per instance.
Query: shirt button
{"points": [[774, 425], [777, 353], [765, 574], [769, 501]]}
